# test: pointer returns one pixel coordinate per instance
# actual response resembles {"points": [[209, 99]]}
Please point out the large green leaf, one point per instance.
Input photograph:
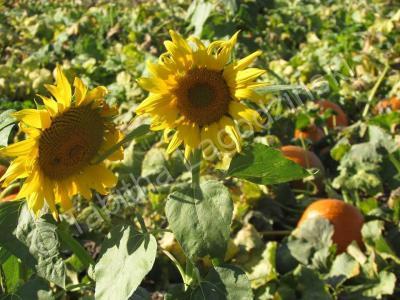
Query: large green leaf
{"points": [[6, 125], [9, 212], [264, 165], [199, 12], [34, 289], [11, 270], [344, 267], [200, 219], [224, 283], [127, 256], [312, 287], [41, 237]]}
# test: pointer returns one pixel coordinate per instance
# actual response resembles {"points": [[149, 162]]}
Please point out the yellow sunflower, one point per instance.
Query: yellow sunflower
{"points": [[62, 138], [196, 92]]}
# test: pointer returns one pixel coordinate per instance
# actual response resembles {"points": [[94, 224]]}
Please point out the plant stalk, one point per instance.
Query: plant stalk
{"points": [[195, 162]]}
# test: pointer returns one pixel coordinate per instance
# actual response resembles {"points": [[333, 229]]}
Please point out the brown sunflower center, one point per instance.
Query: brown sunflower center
{"points": [[71, 141], [202, 96]]}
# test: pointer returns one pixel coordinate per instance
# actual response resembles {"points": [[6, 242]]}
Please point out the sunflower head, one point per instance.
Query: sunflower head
{"points": [[62, 138], [196, 93]]}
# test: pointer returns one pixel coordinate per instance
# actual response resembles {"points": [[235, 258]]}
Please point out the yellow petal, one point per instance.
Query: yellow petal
{"points": [[48, 193], [222, 51], [106, 176], [245, 62], [31, 185], [248, 93], [152, 102], [188, 152], [19, 149], [100, 178], [157, 70], [82, 187], [176, 141], [208, 143], [38, 118], [61, 196], [16, 170], [80, 90], [248, 75], [112, 137], [62, 90], [178, 40], [240, 112], [96, 94], [35, 202], [215, 134], [30, 131], [230, 127], [52, 106], [153, 85], [190, 134]]}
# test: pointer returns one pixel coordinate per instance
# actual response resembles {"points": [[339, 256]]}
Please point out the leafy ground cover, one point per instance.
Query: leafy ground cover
{"points": [[162, 232]]}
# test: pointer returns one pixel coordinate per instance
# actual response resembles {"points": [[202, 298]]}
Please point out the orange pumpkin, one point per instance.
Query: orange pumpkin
{"points": [[312, 133], [346, 219], [339, 119], [304, 158]]}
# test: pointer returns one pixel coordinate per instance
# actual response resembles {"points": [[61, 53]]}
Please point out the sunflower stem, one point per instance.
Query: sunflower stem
{"points": [[135, 133], [195, 161]]}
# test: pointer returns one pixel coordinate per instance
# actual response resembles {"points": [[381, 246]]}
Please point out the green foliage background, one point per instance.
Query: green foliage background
{"points": [[336, 49]]}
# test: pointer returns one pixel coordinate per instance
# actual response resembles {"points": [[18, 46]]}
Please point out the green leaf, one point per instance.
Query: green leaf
{"points": [[344, 267], [4, 255], [317, 231], [302, 121], [340, 149], [140, 294], [312, 241], [154, 166], [385, 285], [41, 237], [386, 121], [312, 287], [265, 268], [7, 122], [34, 289], [9, 212], [201, 219], [372, 233], [264, 165], [231, 5], [199, 11], [224, 283], [11, 269], [127, 256], [74, 245]]}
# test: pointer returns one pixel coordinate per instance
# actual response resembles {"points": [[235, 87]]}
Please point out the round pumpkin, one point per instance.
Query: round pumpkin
{"points": [[339, 119], [303, 157], [386, 104], [346, 219], [312, 133], [395, 103]]}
